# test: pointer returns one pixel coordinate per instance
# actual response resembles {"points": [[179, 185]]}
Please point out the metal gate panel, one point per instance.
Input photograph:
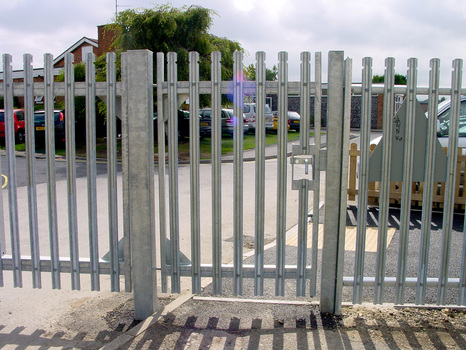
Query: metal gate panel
{"points": [[171, 91]]}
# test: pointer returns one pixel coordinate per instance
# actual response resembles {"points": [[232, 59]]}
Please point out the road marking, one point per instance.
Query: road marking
{"points": [[6, 181]]}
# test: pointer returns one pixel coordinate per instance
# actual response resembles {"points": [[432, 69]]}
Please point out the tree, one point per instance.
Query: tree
{"points": [[399, 79], [168, 29], [270, 74], [80, 105]]}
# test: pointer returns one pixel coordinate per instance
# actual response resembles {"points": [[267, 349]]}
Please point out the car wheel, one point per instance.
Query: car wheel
{"points": [[20, 136]]}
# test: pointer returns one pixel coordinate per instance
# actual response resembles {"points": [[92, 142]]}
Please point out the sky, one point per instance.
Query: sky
{"points": [[402, 29]]}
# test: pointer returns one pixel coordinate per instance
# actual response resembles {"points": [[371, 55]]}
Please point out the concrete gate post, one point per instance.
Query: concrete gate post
{"points": [[138, 177], [334, 228]]}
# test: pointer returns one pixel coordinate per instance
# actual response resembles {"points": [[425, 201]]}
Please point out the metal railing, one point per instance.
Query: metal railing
{"points": [[136, 91], [57, 262], [427, 160]]}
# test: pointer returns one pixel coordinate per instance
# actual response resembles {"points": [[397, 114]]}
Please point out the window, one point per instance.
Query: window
{"points": [[19, 115], [85, 50], [39, 100]]}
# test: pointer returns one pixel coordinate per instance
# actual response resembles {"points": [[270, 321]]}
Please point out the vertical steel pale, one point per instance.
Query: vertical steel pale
{"points": [[216, 173], [428, 181], [388, 110], [259, 175], [305, 93], [194, 151], [112, 173], [363, 179], [164, 249], [91, 162], [11, 160], [408, 157], [238, 172], [71, 170], [51, 182], [317, 165], [456, 81], [281, 172], [31, 169], [173, 172]]}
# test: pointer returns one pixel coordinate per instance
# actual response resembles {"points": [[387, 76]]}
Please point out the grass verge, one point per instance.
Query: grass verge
{"points": [[249, 142]]}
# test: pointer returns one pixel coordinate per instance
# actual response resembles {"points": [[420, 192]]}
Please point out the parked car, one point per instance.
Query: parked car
{"points": [[250, 110], [444, 128], [443, 116], [275, 122], [18, 115], [39, 125], [294, 120], [228, 120], [183, 125]]}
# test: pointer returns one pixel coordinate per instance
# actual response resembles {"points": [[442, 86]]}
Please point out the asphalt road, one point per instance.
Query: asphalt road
{"points": [[41, 170]]}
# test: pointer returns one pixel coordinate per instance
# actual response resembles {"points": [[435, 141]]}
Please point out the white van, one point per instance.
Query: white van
{"points": [[249, 110]]}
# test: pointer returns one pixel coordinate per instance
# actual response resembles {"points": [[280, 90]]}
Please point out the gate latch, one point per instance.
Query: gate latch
{"points": [[304, 165]]}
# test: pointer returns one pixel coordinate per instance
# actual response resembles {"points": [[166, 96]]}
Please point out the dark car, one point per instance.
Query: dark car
{"points": [[183, 125], [39, 125], [228, 121], [18, 115]]}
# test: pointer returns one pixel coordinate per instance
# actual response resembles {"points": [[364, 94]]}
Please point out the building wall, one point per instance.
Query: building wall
{"points": [[105, 35], [294, 105]]}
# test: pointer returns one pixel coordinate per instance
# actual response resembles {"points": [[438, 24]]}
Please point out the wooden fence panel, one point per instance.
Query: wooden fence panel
{"points": [[417, 187]]}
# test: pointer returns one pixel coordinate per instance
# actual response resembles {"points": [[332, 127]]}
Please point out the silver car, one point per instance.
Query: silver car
{"points": [[249, 110]]}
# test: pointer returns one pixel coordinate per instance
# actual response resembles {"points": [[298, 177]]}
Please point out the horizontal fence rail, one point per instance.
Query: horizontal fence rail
{"points": [[56, 260]]}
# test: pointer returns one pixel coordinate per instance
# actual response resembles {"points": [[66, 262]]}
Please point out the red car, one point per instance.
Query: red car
{"points": [[18, 115]]}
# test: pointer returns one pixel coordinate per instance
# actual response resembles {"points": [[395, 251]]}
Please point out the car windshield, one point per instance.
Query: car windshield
{"points": [[247, 108], [2, 116], [444, 116]]}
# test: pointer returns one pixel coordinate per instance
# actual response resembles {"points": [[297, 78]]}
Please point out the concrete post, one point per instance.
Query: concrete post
{"points": [[138, 177], [334, 231]]}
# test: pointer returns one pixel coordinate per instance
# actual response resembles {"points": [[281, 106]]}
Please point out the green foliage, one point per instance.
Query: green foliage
{"points": [[168, 29], [399, 79], [16, 102], [80, 102], [270, 74]]}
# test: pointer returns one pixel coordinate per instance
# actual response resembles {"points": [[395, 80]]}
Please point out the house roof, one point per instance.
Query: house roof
{"points": [[17, 74], [83, 40]]}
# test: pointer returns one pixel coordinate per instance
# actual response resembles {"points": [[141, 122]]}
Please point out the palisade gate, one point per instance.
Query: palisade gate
{"points": [[173, 231]]}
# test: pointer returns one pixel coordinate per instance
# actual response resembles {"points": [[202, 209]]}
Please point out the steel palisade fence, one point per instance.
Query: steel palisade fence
{"points": [[136, 93]]}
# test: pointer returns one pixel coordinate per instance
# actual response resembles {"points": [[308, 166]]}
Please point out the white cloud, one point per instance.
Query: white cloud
{"points": [[244, 5]]}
